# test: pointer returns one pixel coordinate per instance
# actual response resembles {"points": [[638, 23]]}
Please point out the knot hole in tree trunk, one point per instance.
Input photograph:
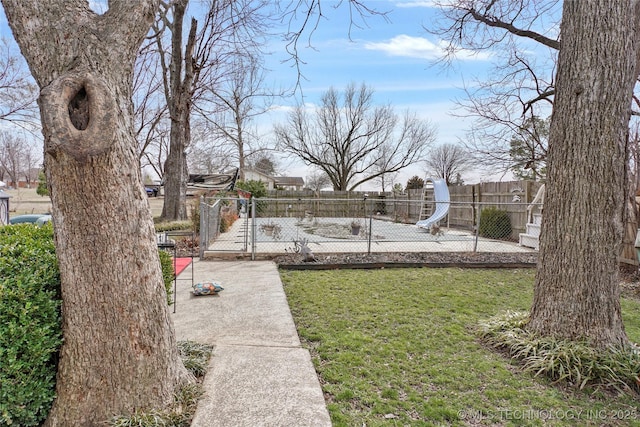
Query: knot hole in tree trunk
{"points": [[79, 109]]}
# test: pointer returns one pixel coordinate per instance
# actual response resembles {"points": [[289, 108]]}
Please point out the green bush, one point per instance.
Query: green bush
{"points": [[257, 189], [494, 223], [227, 219], [30, 333], [30, 329], [166, 262], [42, 189]]}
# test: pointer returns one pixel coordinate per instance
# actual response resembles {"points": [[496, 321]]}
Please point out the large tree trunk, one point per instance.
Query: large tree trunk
{"points": [[179, 101], [119, 352], [576, 290]]}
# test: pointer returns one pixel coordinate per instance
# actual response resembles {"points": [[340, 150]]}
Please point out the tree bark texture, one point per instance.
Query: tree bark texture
{"points": [[576, 291], [119, 353], [179, 101]]}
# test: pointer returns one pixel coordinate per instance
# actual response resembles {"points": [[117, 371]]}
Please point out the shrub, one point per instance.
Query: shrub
{"points": [[494, 223], [30, 329], [30, 333], [227, 218], [42, 189], [257, 189], [166, 262], [195, 215]]}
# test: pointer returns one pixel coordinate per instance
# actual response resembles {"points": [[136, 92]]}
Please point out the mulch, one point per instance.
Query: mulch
{"points": [[409, 259]]}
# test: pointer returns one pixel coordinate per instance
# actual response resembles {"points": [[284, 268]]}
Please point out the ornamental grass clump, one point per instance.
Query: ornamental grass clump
{"points": [[574, 362], [195, 358]]}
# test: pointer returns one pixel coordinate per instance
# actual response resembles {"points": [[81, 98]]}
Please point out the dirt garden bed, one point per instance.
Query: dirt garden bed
{"points": [[410, 259]]}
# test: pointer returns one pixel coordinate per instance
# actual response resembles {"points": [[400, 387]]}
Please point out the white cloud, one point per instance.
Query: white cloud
{"points": [[418, 47], [415, 3]]}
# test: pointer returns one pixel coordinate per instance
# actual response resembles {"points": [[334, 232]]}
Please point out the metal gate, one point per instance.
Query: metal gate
{"points": [[224, 225]]}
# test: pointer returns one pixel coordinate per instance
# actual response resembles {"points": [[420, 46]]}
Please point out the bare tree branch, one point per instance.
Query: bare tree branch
{"points": [[348, 138]]}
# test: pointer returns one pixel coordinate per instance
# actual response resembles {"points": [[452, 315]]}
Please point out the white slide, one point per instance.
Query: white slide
{"points": [[441, 196]]}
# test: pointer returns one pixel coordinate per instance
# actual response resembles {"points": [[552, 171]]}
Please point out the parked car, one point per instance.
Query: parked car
{"points": [[151, 192], [27, 218], [44, 219]]}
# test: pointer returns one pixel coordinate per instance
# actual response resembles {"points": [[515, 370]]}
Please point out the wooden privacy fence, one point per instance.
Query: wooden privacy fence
{"points": [[466, 203], [512, 196]]}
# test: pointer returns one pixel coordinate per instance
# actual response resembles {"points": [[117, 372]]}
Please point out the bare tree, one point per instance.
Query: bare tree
{"points": [[229, 27], [311, 13], [447, 161], [264, 162], [150, 108], [347, 136], [522, 37], [12, 156], [237, 99], [528, 149], [32, 159], [382, 165], [18, 91], [317, 180], [206, 154], [119, 352]]}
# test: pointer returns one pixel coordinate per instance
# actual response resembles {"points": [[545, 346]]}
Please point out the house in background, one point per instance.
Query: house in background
{"points": [[289, 182], [26, 179], [275, 182]]}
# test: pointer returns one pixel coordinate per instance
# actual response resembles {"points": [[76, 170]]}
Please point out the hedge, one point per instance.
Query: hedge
{"points": [[30, 322], [30, 333]]}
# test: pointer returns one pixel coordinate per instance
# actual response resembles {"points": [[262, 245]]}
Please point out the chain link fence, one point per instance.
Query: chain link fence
{"points": [[263, 227]]}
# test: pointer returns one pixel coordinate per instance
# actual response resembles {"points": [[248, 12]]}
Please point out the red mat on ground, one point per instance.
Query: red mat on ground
{"points": [[179, 264]]}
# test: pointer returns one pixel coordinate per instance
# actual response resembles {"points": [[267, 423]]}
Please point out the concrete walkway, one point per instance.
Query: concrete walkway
{"points": [[259, 375]]}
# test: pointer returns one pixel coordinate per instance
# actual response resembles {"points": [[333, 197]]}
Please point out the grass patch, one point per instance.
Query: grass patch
{"points": [[400, 347]]}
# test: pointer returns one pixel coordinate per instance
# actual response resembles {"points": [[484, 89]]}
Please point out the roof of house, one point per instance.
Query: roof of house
{"points": [[289, 180]]}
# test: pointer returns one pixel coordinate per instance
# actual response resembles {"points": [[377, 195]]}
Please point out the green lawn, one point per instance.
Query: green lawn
{"points": [[399, 348]]}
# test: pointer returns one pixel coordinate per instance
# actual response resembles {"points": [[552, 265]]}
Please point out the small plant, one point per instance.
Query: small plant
{"points": [[355, 227], [257, 189], [162, 226], [166, 263], [195, 358], [42, 189], [271, 229], [494, 223]]}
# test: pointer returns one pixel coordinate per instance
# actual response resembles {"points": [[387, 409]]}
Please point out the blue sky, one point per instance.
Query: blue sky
{"points": [[395, 58]]}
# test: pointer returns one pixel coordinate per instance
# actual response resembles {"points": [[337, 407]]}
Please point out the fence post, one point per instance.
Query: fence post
{"points": [[370, 233], [475, 242], [204, 224], [253, 228]]}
